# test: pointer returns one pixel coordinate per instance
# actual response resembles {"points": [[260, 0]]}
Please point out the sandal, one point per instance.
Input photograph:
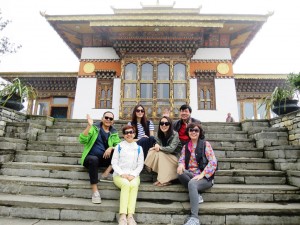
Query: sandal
{"points": [[156, 183], [163, 184]]}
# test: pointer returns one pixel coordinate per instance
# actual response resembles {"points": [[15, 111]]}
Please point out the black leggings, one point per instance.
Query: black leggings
{"points": [[92, 163], [146, 143]]}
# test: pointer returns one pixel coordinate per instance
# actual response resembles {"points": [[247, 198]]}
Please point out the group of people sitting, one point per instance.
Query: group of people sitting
{"points": [[178, 151]]}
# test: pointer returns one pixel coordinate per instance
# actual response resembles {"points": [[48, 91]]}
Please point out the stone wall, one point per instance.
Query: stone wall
{"points": [[280, 140], [9, 115], [16, 129], [291, 122]]}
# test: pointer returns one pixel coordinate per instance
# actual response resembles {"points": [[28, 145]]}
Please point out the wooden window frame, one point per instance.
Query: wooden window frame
{"points": [[206, 83], [106, 85]]}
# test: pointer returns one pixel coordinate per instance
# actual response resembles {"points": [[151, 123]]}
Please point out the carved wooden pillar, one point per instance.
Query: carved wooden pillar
{"points": [[29, 107]]}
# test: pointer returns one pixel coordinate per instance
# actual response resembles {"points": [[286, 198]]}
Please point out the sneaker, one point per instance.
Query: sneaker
{"points": [[131, 221], [108, 178], [192, 221], [96, 199], [200, 199]]}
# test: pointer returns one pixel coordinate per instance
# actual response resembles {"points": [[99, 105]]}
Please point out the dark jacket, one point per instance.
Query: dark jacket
{"points": [[173, 145], [200, 155], [177, 124]]}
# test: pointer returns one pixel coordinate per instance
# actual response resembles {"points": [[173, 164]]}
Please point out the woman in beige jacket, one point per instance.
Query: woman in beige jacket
{"points": [[163, 157]]}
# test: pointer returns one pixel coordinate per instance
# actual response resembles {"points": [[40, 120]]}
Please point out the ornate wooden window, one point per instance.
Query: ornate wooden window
{"points": [[104, 89], [156, 84], [206, 90]]}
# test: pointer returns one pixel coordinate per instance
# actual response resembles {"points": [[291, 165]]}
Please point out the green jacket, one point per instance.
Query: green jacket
{"points": [[90, 139], [174, 145]]}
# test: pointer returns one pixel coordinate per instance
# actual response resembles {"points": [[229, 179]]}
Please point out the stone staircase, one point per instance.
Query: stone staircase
{"points": [[40, 178]]}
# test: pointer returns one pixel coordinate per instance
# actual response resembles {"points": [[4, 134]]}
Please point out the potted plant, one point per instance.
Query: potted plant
{"points": [[294, 80], [12, 95], [281, 101]]}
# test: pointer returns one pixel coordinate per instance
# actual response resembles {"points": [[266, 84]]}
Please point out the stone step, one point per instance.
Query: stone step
{"points": [[77, 172], [74, 159], [147, 191], [77, 147], [57, 208], [8, 148], [23, 221], [7, 143], [73, 137], [83, 122], [234, 152]]}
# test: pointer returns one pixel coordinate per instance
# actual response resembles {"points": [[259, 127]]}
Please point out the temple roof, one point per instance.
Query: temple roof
{"points": [[258, 85], [150, 26], [47, 83]]}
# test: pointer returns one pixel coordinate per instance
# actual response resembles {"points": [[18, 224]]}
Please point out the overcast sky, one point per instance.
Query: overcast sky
{"points": [[275, 48]]}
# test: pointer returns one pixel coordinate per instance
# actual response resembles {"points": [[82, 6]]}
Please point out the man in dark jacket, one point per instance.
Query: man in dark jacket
{"points": [[181, 124]]}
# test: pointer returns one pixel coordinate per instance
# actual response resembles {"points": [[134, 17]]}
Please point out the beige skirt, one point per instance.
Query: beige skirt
{"points": [[165, 165]]}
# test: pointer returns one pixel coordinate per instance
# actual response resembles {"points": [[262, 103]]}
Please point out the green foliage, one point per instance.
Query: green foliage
{"points": [[17, 89], [279, 94], [294, 80]]}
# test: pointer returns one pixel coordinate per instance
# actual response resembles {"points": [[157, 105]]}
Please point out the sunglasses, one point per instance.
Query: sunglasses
{"points": [[140, 110], [164, 123], [194, 130], [108, 118], [129, 132]]}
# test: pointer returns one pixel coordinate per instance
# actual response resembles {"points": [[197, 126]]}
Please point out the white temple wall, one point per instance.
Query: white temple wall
{"points": [[225, 91], [85, 98], [225, 101]]}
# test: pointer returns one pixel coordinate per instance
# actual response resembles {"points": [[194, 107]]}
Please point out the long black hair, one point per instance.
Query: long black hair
{"points": [[143, 119], [161, 135]]}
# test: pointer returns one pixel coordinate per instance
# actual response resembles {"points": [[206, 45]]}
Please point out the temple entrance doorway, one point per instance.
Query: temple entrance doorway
{"points": [[59, 112]]}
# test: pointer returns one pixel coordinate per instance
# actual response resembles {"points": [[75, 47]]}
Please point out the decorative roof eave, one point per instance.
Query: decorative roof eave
{"points": [[100, 60], [169, 17], [154, 23], [11, 75], [105, 74], [261, 76], [247, 41], [211, 60]]}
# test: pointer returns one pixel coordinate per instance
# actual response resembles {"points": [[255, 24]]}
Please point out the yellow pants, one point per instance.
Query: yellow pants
{"points": [[129, 192]]}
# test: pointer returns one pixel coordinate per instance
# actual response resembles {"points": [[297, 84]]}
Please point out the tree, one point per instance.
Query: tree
{"points": [[5, 45]]}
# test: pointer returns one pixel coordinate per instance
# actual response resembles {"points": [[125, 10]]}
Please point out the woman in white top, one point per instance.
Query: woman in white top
{"points": [[145, 128], [127, 162]]}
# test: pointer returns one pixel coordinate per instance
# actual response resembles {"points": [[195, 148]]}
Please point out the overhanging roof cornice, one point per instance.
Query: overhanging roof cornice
{"points": [[176, 17], [11, 75]]}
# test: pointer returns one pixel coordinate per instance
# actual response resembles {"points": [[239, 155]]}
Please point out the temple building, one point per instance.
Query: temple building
{"points": [[157, 56]]}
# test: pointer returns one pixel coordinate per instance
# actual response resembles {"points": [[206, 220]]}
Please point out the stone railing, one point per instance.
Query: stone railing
{"points": [[9, 115], [16, 129], [291, 122], [280, 140]]}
